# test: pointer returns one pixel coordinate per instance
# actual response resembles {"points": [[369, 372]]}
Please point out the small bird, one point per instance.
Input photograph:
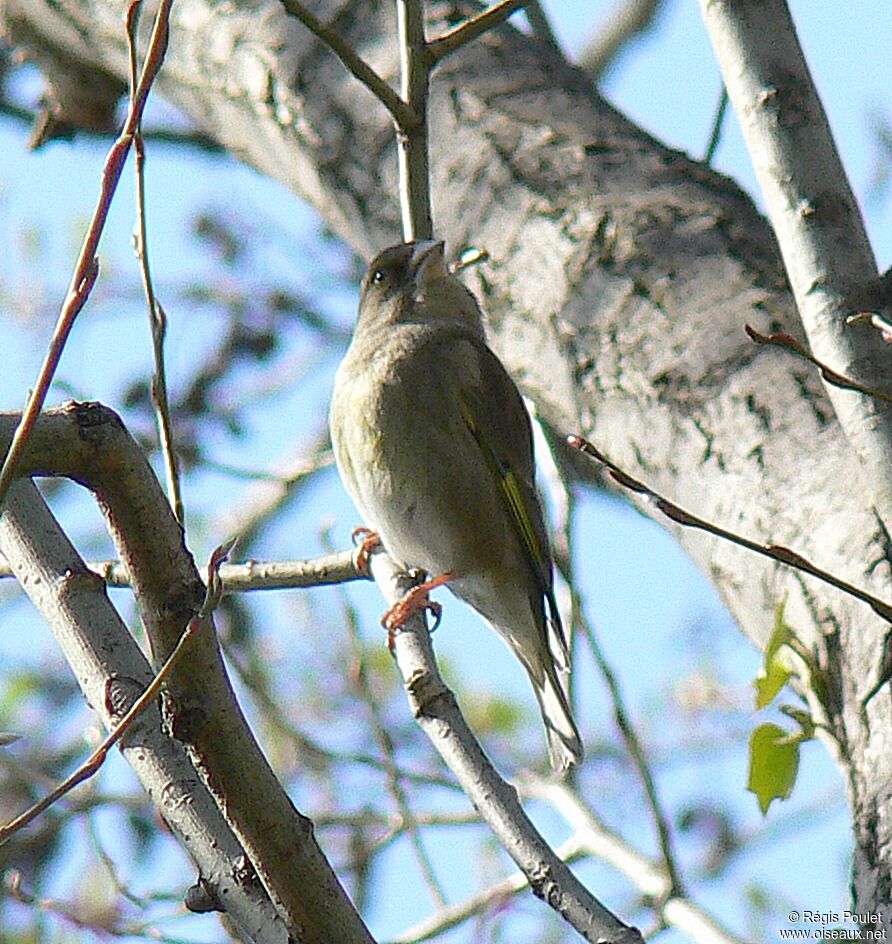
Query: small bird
{"points": [[435, 447]]}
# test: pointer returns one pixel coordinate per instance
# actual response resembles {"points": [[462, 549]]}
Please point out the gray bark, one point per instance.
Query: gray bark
{"points": [[622, 276]]}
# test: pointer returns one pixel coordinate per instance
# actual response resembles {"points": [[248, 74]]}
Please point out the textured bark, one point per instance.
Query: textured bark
{"points": [[622, 275]]}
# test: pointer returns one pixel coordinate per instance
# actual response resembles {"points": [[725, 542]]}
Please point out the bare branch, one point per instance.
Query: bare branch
{"points": [[251, 575], [628, 19], [417, 60], [468, 31], [89, 444], [830, 376], [402, 114], [718, 122], [540, 26], [813, 211], [157, 316], [111, 670], [776, 552], [412, 142], [489, 898], [436, 710], [638, 755], [93, 764], [591, 834], [565, 556], [270, 493]]}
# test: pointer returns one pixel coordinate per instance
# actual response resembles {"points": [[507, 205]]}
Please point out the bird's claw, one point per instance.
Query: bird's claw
{"points": [[367, 541], [416, 600]]}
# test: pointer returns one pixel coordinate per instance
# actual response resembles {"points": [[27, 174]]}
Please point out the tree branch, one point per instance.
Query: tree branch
{"points": [[88, 443], [436, 711], [412, 144], [111, 670], [251, 575], [653, 882], [401, 113], [467, 32], [157, 315], [813, 211], [628, 20], [776, 552]]}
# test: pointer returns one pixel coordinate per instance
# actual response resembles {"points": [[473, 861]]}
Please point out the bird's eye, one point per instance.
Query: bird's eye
{"points": [[378, 276]]}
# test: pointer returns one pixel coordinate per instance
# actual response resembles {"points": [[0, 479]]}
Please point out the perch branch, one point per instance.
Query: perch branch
{"points": [[437, 712]]}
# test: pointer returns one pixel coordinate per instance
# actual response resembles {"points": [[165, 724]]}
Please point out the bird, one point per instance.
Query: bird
{"points": [[434, 445]]}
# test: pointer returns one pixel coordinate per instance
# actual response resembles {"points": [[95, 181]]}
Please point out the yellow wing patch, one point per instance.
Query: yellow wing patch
{"points": [[510, 489]]}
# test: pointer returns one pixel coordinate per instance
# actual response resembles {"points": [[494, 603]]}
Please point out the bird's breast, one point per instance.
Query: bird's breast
{"points": [[411, 464]]}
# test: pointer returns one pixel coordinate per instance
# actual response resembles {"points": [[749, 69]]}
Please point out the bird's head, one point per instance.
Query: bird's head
{"points": [[409, 283]]}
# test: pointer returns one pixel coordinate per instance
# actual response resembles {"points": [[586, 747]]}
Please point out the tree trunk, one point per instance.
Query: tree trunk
{"points": [[621, 277]]}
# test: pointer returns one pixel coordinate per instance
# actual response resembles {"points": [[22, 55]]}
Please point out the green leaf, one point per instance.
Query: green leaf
{"points": [[770, 681], [775, 668], [774, 763]]}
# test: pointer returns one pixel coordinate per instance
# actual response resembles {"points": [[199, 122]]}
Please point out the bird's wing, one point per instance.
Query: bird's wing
{"points": [[496, 417]]}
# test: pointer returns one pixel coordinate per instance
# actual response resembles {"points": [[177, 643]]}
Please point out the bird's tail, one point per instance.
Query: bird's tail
{"points": [[564, 743]]}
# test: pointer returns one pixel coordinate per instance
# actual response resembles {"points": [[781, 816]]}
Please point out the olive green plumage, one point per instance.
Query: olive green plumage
{"points": [[434, 445]]}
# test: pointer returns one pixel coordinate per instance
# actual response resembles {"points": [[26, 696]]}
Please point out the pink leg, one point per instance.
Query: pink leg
{"points": [[415, 601], [368, 541]]}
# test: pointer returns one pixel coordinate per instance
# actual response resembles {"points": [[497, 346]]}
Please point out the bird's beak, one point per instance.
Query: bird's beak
{"points": [[428, 263]]}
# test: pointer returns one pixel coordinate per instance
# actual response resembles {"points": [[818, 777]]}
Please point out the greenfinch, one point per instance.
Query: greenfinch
{"points": [[434, 445]]}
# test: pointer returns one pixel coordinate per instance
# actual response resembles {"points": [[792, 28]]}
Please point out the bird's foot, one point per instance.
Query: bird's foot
{"points": [[415, 601], [367, 540]]}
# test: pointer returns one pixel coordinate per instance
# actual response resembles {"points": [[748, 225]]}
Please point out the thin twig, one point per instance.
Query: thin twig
{"points": [[401, 113], [97, 758], [564, 502], [157, 316], [263, 499], [875, 320], [464, 33], [831, 376], [634, 748], [251, 575], [365, 818], [83, 923], [718, 122], [108, 863], [638, 755], [776, 552], [87, 266], [489, 898], [565, 558], [198, 140]]}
